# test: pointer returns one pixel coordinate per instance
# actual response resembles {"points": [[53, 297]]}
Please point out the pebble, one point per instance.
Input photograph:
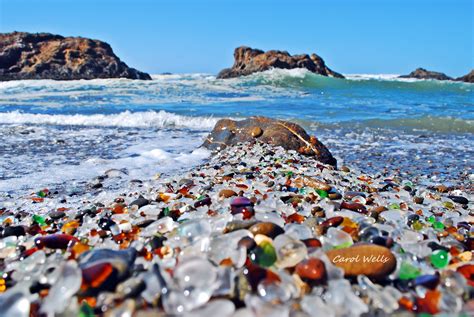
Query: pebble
{"points": [[268, 229], [256, 132], [312, 270], [371, 260], [227, 193], [16, 231], [459, 199]]}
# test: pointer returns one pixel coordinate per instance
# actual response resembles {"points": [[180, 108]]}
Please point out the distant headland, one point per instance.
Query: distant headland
{"points": [[48, 56]]}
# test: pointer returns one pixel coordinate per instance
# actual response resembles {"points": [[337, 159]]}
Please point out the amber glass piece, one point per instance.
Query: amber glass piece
{"points": [[430, 303]]}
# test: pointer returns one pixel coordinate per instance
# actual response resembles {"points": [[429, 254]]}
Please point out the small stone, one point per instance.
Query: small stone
{"points": [[264, 254], [289, 251], [13, 231], [468, 272], [459, 199], [226, 193], [268, 229], [374, 261], [140, 202], [442, 188], [315, 183], [55, 241], [256, 132], [331, 222], [312, 270], [345, 169], [438, 225], [55, 215], [440, 259], [354, 207], [242, 205], [418, 200], [408, 271], [428, 281]]}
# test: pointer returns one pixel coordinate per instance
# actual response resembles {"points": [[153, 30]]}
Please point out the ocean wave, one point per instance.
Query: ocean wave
{"points": [[419, 124], [303, 78], [130, 119], [428, 123]]}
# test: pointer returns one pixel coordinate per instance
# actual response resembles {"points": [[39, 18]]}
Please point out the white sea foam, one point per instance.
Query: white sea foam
{"points": [[372, 76], [124, 119]]}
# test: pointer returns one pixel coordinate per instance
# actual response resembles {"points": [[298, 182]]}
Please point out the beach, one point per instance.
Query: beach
{"points": [[109, 204]]}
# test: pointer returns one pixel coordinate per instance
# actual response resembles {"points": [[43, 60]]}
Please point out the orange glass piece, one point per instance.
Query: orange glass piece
{"points": [[406, 303], [79, 248], [70, 227], [429, 304], [468, 272], [295, 218], [95, 275]]}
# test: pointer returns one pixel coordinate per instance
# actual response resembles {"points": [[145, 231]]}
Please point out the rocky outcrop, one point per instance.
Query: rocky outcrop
{"points": [[468, 78], [49, 56], [421, 73], [248, 60], [261, 129]]}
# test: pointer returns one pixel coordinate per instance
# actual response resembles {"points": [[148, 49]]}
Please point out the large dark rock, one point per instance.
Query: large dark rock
{"points": [[248, 60], [276, 132], [468, 78], [421, 73], [49, 56]]}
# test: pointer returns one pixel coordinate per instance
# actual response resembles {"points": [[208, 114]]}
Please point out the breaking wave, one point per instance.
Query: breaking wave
{"points": [[160, 119]]}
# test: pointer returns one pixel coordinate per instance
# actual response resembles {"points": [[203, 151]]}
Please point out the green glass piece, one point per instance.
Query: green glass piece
{"points": [[289, 173], [322, 193], [448, 205], [408, 271], [39, 220], [439, 259], [303, 191], [431, 219], [438, 225], [86, 311], [344, 245], [394, 206], [417, 225], [166, 211], [264, 254], [41, 194]]}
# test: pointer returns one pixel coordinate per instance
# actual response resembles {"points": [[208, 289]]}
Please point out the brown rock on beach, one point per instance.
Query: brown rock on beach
{"points": [[286, 134], [248, 60], [372, 260]]}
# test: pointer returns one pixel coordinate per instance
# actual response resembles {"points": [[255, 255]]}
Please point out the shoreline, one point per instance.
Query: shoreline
{"points": [[275, 214]]}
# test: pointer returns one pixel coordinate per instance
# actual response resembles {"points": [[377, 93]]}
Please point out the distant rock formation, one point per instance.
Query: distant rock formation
{"points": [[421, 73], [48, 56], [286, 134], [248, 60], [468, 78]]}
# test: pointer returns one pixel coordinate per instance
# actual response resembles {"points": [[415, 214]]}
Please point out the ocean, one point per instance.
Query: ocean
{"points": [[62, 135]]}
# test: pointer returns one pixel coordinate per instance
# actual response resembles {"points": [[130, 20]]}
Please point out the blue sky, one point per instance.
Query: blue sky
{"points": [[353, 36]]}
